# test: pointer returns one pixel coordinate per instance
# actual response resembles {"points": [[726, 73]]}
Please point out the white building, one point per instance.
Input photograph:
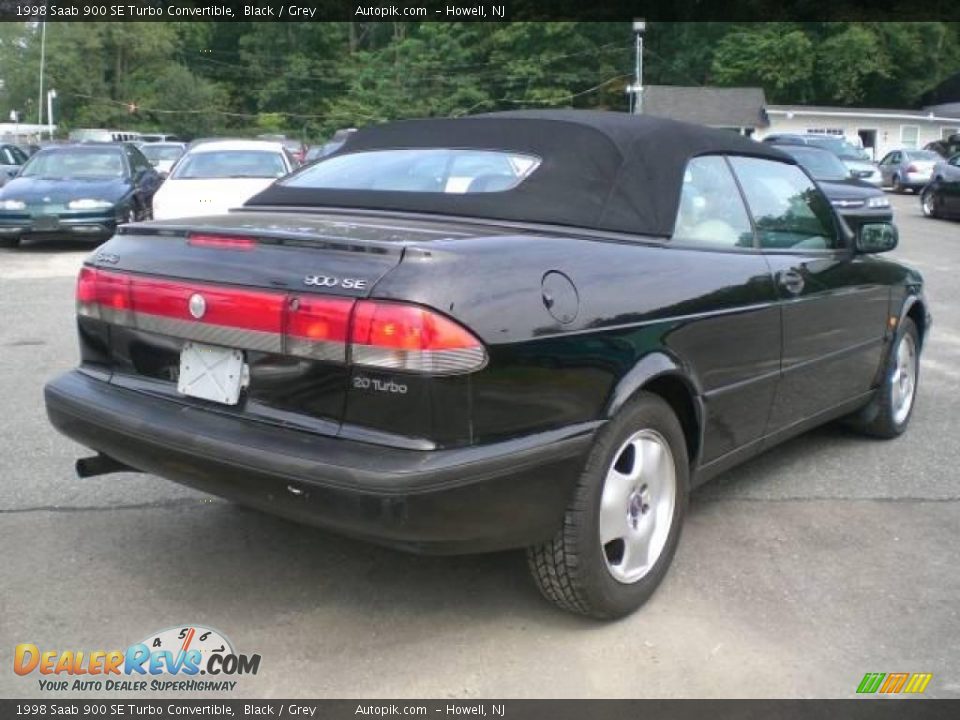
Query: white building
{"points": [[745, 110], [879, 131], [24, 132]]}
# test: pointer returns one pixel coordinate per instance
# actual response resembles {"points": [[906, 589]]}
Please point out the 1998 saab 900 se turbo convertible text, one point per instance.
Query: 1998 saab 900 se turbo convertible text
{"points": [[534, 329]]}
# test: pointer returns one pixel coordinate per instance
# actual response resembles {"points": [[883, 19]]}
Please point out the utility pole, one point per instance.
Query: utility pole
{"points": [[636, 89], [51, 94], [43, 57]]}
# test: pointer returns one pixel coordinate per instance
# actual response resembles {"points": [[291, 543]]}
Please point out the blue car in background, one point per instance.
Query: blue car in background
{"points": [[80, 191]]}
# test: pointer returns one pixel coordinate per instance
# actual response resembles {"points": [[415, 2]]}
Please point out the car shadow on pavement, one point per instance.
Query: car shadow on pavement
{"points": [[275, 570]]}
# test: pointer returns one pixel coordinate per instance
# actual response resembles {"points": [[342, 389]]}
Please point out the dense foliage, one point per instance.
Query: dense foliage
{"points": [[308, 79]]}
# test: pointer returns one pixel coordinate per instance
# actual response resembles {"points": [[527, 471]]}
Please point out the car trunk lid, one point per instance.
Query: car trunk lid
{"points": [[281, 288]]}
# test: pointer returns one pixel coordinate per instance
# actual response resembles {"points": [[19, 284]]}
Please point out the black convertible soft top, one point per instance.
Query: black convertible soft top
{"points": [[600, 170]]}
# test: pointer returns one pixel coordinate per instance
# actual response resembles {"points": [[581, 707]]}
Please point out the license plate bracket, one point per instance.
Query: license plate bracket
{"points": [[46, 223], [210, 372]]}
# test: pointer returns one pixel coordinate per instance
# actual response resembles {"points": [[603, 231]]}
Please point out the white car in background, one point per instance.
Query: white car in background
{"points": [[217, 175]]}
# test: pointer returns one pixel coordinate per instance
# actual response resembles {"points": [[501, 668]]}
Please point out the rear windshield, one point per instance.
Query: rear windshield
{"points": [[437, 170], [231, 164], [156, 153], [921, 155]]}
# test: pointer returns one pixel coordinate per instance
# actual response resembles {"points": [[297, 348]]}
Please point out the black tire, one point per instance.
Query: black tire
{"points": [[571, 569], [880, 418], [928, 203], [9, 242]]}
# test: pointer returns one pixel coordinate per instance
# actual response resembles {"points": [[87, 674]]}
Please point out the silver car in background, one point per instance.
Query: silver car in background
{"points": [[908, 169]]}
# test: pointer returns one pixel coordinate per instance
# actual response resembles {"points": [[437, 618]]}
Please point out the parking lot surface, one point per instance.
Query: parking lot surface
{"points": [[828, 557]]}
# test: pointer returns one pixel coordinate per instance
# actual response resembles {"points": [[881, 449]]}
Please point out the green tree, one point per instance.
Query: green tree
{"points": [[778, 57]]}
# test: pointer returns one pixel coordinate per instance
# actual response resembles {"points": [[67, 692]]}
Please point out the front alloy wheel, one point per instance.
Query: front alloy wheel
{"points": [[622, 525], [903, 379], [888, 414], [928, 203]]}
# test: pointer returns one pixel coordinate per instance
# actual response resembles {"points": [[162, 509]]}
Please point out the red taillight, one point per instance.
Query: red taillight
{"points": [[221, 242], [86, 286], [317, 327], [235, 308], [409, 337], [379, 334], [100, 292], [911, 168]]}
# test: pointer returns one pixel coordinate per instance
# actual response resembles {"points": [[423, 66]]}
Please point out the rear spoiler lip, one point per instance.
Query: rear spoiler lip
{"points": [[279, 238]]}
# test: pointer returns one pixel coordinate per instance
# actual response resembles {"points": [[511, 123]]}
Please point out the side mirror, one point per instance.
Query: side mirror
{"points": [[877, 237]]}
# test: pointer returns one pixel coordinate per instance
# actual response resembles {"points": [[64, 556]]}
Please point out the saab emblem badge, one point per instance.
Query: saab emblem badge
{"points": [[197, 306]]}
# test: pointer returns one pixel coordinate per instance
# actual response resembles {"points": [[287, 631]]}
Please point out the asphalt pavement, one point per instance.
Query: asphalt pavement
{"points": [[826, 558]]}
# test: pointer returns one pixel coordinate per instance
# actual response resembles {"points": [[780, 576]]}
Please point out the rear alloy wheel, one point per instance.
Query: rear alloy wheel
{"points": [[888, 414], [928, 203], [623, 525]]}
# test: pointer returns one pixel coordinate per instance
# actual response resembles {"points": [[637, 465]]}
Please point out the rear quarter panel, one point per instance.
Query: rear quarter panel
{"points": [[713, 312]]}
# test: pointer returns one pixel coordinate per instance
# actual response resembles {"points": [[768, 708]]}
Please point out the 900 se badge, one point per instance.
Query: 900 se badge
{"points": [[331, 281]]}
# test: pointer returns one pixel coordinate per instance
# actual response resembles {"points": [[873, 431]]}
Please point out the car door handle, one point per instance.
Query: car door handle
{"points": [[791, 281]]}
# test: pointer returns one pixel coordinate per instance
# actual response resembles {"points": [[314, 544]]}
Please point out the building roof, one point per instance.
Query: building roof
{"points": [[599, 170], [714, 106], [836, 111]]}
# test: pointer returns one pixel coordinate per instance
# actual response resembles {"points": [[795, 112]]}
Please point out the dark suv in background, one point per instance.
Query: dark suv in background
{"points": [[856, 201], [855, 158]]}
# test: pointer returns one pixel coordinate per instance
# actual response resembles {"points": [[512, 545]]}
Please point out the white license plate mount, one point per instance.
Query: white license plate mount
{"points": [[212, 373]]}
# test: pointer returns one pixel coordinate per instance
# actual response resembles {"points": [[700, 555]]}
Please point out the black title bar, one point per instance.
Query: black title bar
{"points": [[473, 10], [860, 709]]}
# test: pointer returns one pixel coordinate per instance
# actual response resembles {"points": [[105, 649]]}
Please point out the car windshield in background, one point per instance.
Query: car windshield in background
{"points": [[156, 153], [231, 164], [840, 147], [419, 170], [78, 163], [820, 164]]}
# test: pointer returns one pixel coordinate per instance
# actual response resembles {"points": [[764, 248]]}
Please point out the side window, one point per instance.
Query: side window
{"points": [[789, 211], [711, 209], [6, 157], [19, 156], [138, 163]]}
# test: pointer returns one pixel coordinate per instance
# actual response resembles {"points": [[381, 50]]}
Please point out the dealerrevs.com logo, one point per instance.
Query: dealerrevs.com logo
{"points": [[170, 660]]}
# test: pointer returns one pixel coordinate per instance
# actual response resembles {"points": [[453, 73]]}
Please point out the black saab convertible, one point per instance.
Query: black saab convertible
{"points": [[529, 330]]}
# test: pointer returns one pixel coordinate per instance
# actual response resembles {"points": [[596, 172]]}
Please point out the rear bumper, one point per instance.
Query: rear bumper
{"points": [[474, 499], [916, 180]]}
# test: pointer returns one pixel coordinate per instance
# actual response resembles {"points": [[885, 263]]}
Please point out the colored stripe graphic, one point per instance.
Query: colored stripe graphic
{"points": [[918, 682], [871, 682], [894, 682]]}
